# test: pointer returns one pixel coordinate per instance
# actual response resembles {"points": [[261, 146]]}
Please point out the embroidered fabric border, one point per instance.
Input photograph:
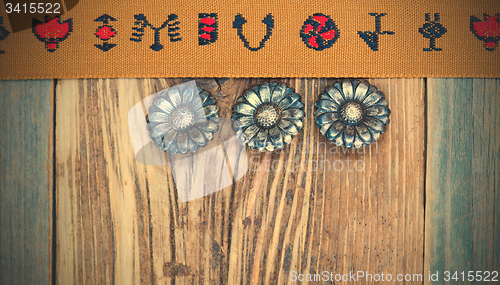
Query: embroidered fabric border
{"points": [[260, 38]]}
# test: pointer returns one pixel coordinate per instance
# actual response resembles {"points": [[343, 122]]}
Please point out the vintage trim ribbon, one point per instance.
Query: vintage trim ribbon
{"points": [[356, 38]]}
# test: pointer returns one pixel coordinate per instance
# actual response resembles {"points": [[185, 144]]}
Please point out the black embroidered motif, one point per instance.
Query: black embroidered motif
{"points": [[319, 32], [371, 38], [4, 33], [487, 30], [105, 32], [432, 30], [207, 28], [238, 23], [173, 27], [141, 22]]}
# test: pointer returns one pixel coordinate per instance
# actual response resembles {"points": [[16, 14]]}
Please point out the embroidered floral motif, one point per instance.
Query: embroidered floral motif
{"points": [[319, 32], [105, 32], [207, 28], [269, 116], [432, 30], [352, 113], [371, 38], [487, 30], [141, 22], [52, 31], [238, 23]]}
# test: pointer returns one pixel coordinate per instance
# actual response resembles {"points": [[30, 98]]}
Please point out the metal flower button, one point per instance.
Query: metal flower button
{"points": [[352, 113], [183, 119], [269, 116]]}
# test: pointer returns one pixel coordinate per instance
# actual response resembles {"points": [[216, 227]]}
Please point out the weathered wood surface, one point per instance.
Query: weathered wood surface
{"points": [[26, 185], [120, 221], [463, 177]]}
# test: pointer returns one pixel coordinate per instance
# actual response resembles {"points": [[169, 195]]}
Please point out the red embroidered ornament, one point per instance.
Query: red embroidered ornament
{"points": [[52, 31], [207, 28], [319, 32], [487, 30], [105, 33]]}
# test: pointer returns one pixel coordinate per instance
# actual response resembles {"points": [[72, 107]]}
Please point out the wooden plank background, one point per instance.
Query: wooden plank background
{"points": [[463, 180], [423, 198], [26, 181]]}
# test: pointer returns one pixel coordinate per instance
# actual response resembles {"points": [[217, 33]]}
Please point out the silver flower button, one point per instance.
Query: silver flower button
{"points": [[352, 113], [269, 116], [183, 119]]}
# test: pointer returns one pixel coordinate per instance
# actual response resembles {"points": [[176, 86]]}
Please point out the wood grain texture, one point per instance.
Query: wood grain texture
{"points": [[121, 222], [103, 215], [312, 208], [463, 176], [118, 220], [26, 185]]}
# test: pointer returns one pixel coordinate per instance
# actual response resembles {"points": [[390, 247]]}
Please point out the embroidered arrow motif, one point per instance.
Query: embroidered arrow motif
{"points": [[105, 32], [105, 18], [105, 46], [238, 23], [371, 38]]}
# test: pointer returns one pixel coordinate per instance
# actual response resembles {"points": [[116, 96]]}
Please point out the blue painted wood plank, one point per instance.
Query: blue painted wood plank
{"points": [[26, 151], [463, 178], [486, 175]]}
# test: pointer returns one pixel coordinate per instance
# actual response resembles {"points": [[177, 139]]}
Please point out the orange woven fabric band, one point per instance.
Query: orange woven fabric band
{"points": [[257, 38]]}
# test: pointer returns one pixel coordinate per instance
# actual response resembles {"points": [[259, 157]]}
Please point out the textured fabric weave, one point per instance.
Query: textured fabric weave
{"points": [[315, 38]]}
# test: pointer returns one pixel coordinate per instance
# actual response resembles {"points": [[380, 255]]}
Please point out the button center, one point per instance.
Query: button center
{"points": [[352, 113], [182, 118], [267, 116]]}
